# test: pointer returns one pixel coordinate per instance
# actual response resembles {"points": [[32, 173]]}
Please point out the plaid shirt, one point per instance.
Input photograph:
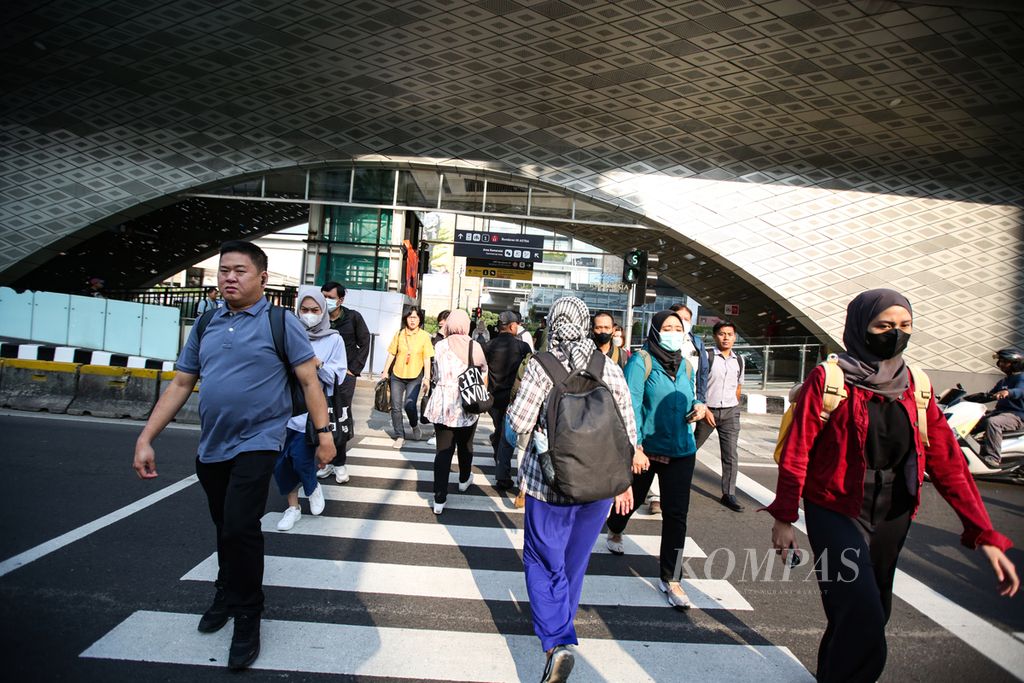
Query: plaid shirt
{"points": [[528, 406]]}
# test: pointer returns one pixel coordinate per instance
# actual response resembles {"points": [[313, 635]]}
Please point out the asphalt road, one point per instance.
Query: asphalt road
{"points": [[62, 473]]}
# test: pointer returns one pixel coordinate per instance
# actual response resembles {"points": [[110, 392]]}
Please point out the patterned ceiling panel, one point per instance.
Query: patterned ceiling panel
{"points": [[887, 136]]}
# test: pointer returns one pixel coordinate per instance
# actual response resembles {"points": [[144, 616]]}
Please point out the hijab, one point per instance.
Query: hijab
{"points": [[322, 328], [862, 368], [569, 330], [669, 360], [456, 332]]}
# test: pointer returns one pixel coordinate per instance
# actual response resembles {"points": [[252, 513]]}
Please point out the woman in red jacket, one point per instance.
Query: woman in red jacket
{"points": [[860, 474]]}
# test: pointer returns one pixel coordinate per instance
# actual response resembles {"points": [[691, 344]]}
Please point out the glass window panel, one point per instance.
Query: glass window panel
{"points": [[462, 192], [246, 188], [506, 198], [358, 225], [418, 188], [355, 271], [287, 184], [585, 211], [550, 204], [332, 185], [374, 186]]}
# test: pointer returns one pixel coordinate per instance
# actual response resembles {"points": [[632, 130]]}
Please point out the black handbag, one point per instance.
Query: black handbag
{"points": [[382, 392], [475, 397]]}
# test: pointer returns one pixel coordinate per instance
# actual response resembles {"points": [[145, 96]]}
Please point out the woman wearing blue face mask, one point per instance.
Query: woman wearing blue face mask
{"points": [[661, 386]]}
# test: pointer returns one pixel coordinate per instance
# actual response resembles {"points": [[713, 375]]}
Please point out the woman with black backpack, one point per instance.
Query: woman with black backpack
{"points": [[560, 531], [454, 427]]}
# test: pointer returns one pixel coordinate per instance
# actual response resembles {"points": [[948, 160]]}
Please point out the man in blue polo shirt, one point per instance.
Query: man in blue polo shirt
{"points": [[244, 406]]}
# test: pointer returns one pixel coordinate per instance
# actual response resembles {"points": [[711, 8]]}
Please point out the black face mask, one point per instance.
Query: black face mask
{"points": [[601, 338], [887, 345]]}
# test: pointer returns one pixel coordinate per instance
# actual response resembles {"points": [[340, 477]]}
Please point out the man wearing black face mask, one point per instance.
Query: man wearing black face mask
{"points": [[601, 330]]}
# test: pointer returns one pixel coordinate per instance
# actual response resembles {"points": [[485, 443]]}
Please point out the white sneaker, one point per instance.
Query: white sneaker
{"points": [[316, 500], [464, 485], [324, 471], [432, 441], [341, 474], [417, 435], [676, 595], [614, 544], [288, 519], [398, 443], [438, 507]]}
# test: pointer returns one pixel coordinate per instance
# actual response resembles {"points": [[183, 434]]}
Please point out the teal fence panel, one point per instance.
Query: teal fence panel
{"points": [[160, 330], [87, 320], [123, 333], [50, 317], [15, 314]]}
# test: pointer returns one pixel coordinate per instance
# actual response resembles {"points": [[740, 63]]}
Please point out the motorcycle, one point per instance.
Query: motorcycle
{"points": [[963, 411]]}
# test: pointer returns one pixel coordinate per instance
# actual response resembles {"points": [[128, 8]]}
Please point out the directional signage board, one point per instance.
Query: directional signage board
{"points": [[498, 268], [499, 246]]}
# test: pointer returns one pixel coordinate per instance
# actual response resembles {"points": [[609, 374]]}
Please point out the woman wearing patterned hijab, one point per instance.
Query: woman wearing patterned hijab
{"points": [[296, 465], [860, 475], [560, 534]]}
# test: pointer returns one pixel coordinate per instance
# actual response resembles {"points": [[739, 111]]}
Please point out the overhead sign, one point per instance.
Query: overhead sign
{"points": [[732, 309], [499, 246], [506, 270]]}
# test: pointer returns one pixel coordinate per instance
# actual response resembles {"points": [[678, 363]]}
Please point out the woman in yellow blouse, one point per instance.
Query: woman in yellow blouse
{"points": [[411, 351]]}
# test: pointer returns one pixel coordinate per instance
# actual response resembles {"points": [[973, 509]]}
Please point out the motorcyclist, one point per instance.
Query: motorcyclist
{"points": [[1008, 415]]}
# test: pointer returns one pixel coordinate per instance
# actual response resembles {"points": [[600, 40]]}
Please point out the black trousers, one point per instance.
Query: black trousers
{"points": [[502, 448], [675, 478], [855, 568], [448, 440], [348, 391], [236, 491]]}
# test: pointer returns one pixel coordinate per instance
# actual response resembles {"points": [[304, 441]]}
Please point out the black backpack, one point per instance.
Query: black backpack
{"points": [[589, 454]]}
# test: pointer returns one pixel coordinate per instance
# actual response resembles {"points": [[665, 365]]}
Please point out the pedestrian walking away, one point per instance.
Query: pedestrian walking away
{"points": [[454, 427], [245, 359], [505, 353], [296, 466], [408, 358], [665, 409], [725, 384], [350, 325], [860, 474], [560, 533]]}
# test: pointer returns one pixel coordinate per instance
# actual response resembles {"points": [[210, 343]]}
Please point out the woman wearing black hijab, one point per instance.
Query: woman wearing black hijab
{"points": [[860, 474], [661, 387]]}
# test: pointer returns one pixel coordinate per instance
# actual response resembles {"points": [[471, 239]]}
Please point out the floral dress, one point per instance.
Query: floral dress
{"points": [[445, 404]]}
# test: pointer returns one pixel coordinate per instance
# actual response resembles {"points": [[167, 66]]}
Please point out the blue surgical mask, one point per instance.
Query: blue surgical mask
{"points": [[331, 305], [672, 341]]}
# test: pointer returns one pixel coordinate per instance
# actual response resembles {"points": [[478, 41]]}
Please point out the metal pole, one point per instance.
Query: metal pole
{"points": [[764, 373], [629, 316], [803, 361]]}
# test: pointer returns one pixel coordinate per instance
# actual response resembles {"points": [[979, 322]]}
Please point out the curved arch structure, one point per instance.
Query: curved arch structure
{"points": [[786, 153]]}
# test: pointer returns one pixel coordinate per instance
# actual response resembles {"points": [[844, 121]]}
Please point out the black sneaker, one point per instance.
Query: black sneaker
{"points": [[503, 484], [214, 618], [731, 503], [991, 461], [559, 665], [245, 642]]}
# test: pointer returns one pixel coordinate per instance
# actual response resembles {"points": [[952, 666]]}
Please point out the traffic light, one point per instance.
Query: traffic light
{"points": [[478, 313], [645, 288], [632, 266]]}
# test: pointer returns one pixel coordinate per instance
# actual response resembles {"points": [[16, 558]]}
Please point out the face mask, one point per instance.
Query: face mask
{"points": [[310, 319], [617, 341], [332, 304], [672, 341], [887, 345], [687, 326], [602, 338]]}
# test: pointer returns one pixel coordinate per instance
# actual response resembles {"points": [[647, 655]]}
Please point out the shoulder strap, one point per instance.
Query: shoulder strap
{"points": [[922, 395], [596, 365], [711, 357], [835, 386], [552, 366], [276, 314], [646, 357], [202, 323]]}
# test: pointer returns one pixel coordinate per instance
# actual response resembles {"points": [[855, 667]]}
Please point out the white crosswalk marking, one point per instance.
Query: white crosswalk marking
{"points": [[410, 455], [418, 654]]}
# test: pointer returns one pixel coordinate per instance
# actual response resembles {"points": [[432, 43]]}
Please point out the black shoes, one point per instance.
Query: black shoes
{"points": [[503, 484], [731, 503], [559, 665], [215, 617], [245, 642], [991, 461]]}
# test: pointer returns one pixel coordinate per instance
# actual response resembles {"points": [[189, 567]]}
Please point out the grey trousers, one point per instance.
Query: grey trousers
{"points": [[994, 425], [727, 423]]}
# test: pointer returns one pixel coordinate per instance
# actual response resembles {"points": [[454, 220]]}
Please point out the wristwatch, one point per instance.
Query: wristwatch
{"points": [[324, 430]]}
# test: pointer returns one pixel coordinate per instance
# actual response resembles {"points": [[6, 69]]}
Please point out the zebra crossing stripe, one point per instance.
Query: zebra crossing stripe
{"points": [[450, 535], [406, 455], [419, 654], [469, 584]]}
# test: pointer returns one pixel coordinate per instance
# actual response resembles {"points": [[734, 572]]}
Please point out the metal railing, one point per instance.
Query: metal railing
{"points": [[779, 363]]}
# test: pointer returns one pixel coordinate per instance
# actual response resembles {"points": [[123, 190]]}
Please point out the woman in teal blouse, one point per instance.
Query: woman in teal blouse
{"points": [[661, 385]]}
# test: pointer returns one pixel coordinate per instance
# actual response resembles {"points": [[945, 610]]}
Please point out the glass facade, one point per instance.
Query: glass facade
{"points": [[357, 225], [358, 272]]}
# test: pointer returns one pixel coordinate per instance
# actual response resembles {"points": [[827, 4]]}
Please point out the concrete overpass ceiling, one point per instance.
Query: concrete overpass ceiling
{"points": [[821, 146]]}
